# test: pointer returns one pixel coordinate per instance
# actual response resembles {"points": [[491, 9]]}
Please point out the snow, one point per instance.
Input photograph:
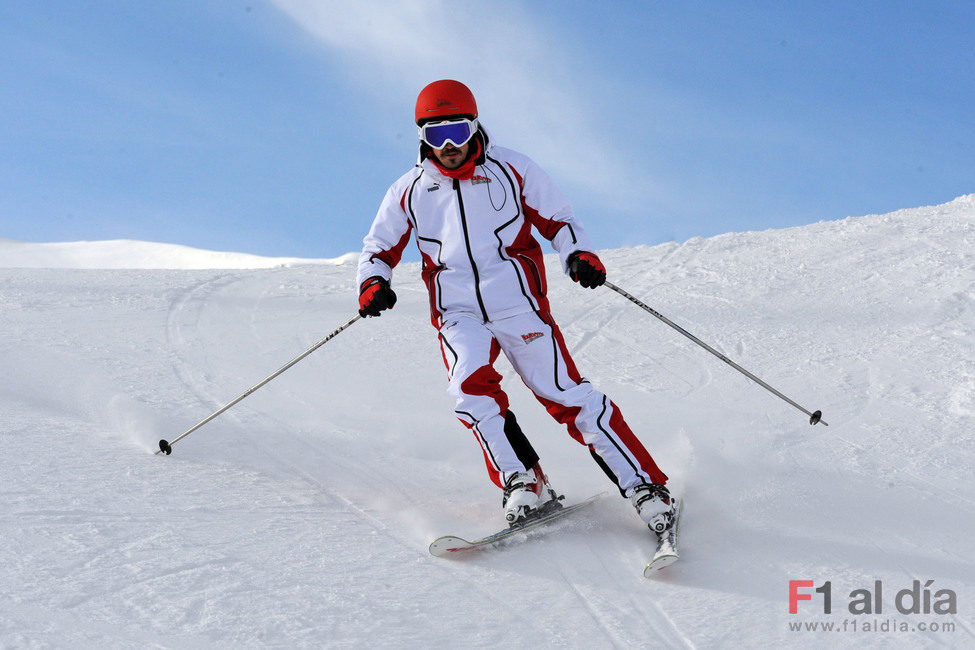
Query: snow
{"points": [[126, 254], [301, 517]]}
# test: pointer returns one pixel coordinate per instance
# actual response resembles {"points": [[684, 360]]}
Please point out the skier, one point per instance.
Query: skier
{"points": [[471, 206]]}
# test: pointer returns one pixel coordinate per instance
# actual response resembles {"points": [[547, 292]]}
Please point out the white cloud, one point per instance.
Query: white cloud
{"points": [[530, 92]]}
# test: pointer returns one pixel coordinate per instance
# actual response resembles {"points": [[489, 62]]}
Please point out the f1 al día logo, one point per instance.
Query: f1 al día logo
{"points": [[869, 609]]}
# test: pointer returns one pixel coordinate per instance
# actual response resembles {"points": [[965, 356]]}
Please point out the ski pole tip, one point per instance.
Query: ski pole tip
{"points": [[816, 418], [165, 447]]}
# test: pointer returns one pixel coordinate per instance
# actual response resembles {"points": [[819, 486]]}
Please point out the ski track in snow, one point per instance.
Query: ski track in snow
{"points": [[301, 517]]}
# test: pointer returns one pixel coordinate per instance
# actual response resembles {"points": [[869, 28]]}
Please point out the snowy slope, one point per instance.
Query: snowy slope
{"points": [[301, 517], [126, 254]]}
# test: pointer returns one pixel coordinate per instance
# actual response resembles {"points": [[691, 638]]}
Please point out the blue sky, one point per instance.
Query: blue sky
{"points": [[275, 127]]}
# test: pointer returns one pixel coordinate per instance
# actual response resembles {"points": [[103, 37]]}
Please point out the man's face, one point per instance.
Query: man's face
{"points": [[452, 157]]}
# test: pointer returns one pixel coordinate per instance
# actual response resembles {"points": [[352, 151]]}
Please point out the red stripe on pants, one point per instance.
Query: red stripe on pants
{"points": [[635, 447]]}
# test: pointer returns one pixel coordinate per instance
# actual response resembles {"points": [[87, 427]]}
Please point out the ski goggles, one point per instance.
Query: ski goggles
{"points": [[457, 132]]}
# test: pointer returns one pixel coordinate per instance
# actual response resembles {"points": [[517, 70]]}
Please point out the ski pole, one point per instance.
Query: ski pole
{"points": [[815, 417], [167, 447]]}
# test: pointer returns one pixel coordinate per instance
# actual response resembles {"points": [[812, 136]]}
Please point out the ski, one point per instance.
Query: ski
{"points": [[453, 546], [667, 551]]}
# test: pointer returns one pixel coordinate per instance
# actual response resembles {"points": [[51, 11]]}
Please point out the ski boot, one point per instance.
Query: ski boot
{"points": [[528, 494], [655, 506]]}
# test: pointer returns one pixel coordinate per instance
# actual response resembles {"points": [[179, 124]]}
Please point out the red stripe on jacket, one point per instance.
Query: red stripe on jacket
{"points": [[549, 228]]}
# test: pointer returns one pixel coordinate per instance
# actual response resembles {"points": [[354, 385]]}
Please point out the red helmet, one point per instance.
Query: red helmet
{"points": [[445, 98]]}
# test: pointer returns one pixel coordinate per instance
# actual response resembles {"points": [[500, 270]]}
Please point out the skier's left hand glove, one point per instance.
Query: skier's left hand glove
{"points": [[586, 269]]}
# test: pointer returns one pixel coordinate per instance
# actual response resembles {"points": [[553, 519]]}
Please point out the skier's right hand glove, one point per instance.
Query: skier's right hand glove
{"points": [[375, 296]]}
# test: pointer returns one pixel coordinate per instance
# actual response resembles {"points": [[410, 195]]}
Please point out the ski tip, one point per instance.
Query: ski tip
{"points": [[449, 546], [165, 447], [657, 564]]}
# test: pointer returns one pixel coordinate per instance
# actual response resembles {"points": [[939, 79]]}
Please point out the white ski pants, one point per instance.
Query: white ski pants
{"points": [[534, 345]]}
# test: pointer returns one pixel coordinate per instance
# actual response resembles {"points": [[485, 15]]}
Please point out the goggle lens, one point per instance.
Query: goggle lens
{"points": [[457, 133]]}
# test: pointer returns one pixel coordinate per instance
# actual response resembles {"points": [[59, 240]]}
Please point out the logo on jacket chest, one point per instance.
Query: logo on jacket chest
{"points": [[478, 179]]}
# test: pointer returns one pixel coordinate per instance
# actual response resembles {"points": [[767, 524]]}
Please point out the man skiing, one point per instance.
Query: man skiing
{"points": [[471, 206]]}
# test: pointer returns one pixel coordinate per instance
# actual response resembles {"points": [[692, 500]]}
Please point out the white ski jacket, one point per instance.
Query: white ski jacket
{"points": [[479, 255]]}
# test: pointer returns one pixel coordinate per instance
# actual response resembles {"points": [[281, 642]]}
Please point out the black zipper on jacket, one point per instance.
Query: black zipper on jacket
{"points": [[470, 253]]}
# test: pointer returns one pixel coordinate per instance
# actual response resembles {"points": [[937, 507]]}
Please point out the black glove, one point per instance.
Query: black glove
{"points": [[586, 269], [375, 296]]}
